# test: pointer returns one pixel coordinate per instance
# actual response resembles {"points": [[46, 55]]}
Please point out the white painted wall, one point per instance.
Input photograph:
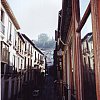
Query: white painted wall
{"points": [[12, 51], [6, 37], [19, 55]]}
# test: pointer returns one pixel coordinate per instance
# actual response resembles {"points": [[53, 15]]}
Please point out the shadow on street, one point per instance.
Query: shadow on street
{"points": [[46, 92]]}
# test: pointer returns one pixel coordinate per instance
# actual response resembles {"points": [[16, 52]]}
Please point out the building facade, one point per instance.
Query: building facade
{"points": [[88, 67], [8, 29], [20, 58], [76, 80]]}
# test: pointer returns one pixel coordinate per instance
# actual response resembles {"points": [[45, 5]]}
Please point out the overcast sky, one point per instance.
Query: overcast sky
{"points": [[88, 25], [36, 16], [41, 16]]}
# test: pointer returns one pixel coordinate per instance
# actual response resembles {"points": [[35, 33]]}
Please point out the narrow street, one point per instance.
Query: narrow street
{"points": [[48, 91], [50, 49]]}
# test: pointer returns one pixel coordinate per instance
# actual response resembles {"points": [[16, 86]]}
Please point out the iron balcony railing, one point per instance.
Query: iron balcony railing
{"points": [[2, 28], [85, 51]]}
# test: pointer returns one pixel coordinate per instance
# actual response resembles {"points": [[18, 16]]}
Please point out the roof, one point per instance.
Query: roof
{"points": [[39, 50], [32, 43], [91, 38], [20, 35], [28, 40], [86, 36], [10, 13], [59, 20]]}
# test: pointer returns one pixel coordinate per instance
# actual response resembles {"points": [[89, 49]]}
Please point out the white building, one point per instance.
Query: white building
{"points": [[28, 57], [10, 85], [34, 58], [19, 55], [19, 48], [39, 59], [8, 29], [87, 51]]}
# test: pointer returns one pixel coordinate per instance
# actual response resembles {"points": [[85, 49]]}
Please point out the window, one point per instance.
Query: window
{"points": [[25, 46], [87, 45], [2, 16], [9, 30], [4, 52], [15, 42], [21, 63], [28, 62], [25, 63], [89, 62], [35, 56], [60, 67], [31, 50], [31, 62], [20, 46], [29, 47], [14, 60], [38, 57], [2, 27], [9, 58], [18, 63]]}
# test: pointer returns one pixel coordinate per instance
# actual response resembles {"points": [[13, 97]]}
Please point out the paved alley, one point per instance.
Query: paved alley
{"points": [[47, 92]]}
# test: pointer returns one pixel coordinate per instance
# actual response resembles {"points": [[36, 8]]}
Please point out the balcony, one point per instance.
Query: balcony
{"points": [[4, 52], [85, 51], [29, 53], [9, 40], [20, 50], [15, 47], [34, 60], [92, 51], [17, 50], [2, 28], [21, 53], [4, 55], [38, 62], [25, 52], [41, 62]]}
